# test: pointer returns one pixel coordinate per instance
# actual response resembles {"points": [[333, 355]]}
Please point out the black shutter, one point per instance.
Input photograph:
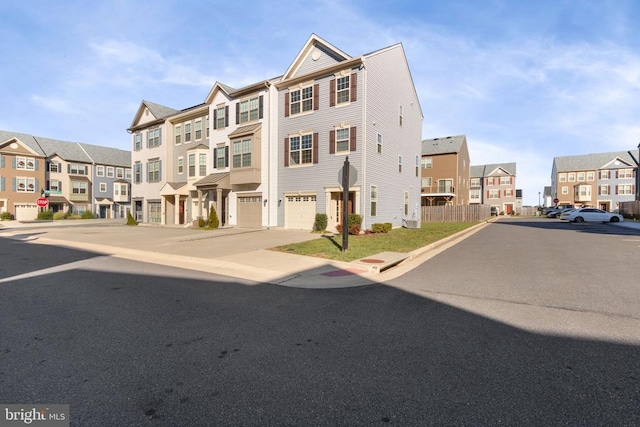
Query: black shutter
{"points": [[286, 104], [286, 152], [226, 156], [261, 107], [354, 87], [332, 92], [237, 113], [315, 148], [215, 158], [215, 119], [226, 116], [352, 139]]}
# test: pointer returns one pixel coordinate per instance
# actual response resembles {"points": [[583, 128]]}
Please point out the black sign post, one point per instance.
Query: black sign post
{"points": [[345, 205]]}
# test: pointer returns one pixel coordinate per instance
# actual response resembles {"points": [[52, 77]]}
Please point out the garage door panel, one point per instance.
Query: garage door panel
{"points": [[26, 212], [250, 212], [300, 212]]}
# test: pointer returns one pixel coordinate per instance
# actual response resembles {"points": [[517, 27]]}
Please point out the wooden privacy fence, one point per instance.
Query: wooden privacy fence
{"points": [[463, 213], [627, 209]]}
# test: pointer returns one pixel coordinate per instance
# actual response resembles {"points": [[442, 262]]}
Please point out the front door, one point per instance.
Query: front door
{"points": [[337, 207], [103, 211], [181, 212]]}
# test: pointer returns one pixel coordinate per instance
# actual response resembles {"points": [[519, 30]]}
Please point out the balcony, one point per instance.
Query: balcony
{"points": [[439, 190]]}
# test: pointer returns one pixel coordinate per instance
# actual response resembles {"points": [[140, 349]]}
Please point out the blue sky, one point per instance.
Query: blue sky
{"points": [[524, 80]]}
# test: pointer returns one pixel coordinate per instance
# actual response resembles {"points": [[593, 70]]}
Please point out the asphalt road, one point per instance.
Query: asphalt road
{"points": [[509, 327]]}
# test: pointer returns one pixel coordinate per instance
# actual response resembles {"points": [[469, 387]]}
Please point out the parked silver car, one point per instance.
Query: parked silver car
{"points": [[590, 215]]}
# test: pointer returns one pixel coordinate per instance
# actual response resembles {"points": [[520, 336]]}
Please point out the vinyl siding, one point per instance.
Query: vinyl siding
{"points": [[389, 85]]}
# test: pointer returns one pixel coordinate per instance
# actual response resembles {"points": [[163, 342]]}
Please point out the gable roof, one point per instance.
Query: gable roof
{"points": [[446, 145], [481, 171], [311, 43], [159, 113], [592, 161]]}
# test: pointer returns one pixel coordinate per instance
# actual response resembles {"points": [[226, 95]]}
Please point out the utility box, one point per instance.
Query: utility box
{"points": [[412, 223]]}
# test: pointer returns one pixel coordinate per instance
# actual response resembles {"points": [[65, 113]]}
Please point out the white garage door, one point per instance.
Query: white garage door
{"points": [[26, 212], [300, 212], [250, 212]]}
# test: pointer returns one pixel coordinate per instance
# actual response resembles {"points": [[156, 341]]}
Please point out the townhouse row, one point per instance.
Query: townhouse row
{"points": [[270, 154], [448, 178], [600, 180], [74, 177]]}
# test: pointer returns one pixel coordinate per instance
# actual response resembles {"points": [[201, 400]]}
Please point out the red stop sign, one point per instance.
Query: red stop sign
{"points": [[556, 201], [42, 202]]}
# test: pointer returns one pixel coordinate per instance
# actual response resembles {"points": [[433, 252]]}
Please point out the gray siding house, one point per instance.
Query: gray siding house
{"points": [[332, 106]]}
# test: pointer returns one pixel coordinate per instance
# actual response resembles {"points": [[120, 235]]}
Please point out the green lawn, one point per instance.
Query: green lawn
{"points": [[397, 240]]}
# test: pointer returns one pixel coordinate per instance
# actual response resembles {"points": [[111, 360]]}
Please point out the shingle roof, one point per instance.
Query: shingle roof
{"points": [[107, 155], [481, 171], [72, 151], [27, 140], [590, 161], [159, 111], [448, 144]]}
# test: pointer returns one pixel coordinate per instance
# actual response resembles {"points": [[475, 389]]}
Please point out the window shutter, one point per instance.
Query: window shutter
{"points": [[261, 107], [215, 119], [13, 162], [14, 185], [68, 168], [237, 113], [60, 186], [86, 170], [510, 180], [352, 139], [332, 142], [160, 170], [1, 161], [332, 92], [37, 164], [315, 148], [286, 104], [226, 116], [599, 174], [2, 183], [215, 158], [633, 189], [354, 87], [286, 151], [487, 194], [36, 187], [616, 186], [599, 190], [47, 184], [226, 156], [160, 136], [617, 176], [316, 96]]}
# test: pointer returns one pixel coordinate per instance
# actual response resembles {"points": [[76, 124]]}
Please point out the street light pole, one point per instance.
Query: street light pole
{"points": [[638, 175], [539, 199]]}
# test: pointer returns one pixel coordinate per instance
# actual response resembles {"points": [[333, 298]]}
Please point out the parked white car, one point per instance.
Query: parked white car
{"points": [[590, 215]]}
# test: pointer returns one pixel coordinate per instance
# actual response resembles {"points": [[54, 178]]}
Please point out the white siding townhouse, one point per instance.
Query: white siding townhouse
{"points": [[274, 149]]}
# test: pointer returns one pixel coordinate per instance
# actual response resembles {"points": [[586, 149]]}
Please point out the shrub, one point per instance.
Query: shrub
{"points": [[354, 229], [339, 228], [381, 227], [45, 215], [130, 220], [202, 223], [6, 216], [320, 223], [87, 215], [214, 222], [354, 219]]}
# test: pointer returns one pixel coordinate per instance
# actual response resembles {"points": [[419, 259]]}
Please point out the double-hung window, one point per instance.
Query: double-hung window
{"points": [[187, 132], [242, 153], [119, 173], [153, 138], [374, 200], [198, 130], [137, 142], [301, 100], [427, 162], [178, 134], [25, 185], [137, 173], [153, 171], [202, 166], [220, 157], [505, 180], [25, 163], [301, 149], [180, 165], [220, 117], [342, 140], [100, 170], [379, 143], [249, 110], [342, 89], [192, 165]]}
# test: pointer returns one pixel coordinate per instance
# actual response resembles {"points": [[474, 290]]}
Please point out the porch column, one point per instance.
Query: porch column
{"points": [[199, 203], [219, 206], [176, 209]]}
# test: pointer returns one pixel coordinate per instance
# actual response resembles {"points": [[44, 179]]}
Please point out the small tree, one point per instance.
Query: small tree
{"points": [[321, 222], [214, 222], [130, 220]]}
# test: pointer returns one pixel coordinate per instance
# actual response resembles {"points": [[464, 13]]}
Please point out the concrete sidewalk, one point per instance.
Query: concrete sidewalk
{"points": [[239, 253]]}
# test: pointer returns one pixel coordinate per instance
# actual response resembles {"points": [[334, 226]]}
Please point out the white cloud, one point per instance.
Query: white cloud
{"points": [[56, 105]]}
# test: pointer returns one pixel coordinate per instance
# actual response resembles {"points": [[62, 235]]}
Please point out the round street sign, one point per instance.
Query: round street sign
{"points": [[42, 202], [556, 201]]}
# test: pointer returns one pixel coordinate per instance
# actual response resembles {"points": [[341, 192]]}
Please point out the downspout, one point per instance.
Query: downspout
{"points": [[364, 191], [269, 199]]}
